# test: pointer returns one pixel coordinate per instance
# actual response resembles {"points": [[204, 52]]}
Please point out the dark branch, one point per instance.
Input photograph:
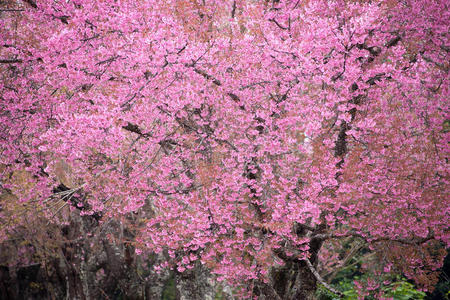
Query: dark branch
{"points": [[133, 128], [207, 76], [233, 10], [63, 19], [341, 143], [411, 241], [217, 82], [445, 48], [375, 78], [394, 41], [32, 3], [11, 10], [278, 24], [10, 61]]}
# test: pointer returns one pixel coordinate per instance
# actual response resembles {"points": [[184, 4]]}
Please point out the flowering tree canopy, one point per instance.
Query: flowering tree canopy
{"points": [[242, 135]]}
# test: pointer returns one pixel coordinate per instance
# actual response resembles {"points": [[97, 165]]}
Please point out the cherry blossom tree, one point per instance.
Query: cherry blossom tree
{"points": [[243, 137]]}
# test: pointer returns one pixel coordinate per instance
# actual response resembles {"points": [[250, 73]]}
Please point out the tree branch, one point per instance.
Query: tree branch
{"points": [[11, 10], [394, 41], [32, 3], [135, 129], [412, 241], [10, 61], [278, 24], [320, 279], [217, 82], [233, 10], [207, 76]]}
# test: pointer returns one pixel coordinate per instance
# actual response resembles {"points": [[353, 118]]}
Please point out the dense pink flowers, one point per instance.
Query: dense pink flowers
{"points": [[229, 131]]}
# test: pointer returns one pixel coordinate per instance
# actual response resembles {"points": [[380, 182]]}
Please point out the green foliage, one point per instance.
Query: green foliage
{"points": [[345, 286], [169, 290], [219, 294], [398, 290], [323, 293], [403, 290]]}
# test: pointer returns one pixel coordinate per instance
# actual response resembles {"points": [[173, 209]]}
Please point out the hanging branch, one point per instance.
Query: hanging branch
{"points": [[320, 279]]}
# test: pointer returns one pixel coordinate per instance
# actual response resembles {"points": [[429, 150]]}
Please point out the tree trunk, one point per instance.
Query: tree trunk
{"points": [[195, 284], [292, 281]]}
